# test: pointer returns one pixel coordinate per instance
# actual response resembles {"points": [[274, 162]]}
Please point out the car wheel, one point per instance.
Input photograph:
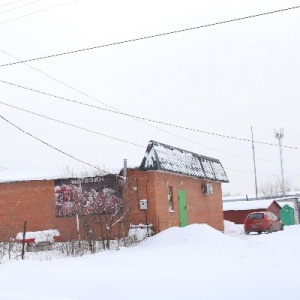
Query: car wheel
{"points": [[270, 229], [281, 227], [258, 232], [247, 232]]}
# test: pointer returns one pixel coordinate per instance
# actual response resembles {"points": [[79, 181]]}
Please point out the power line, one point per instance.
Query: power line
{"points": [[79, 160], [59, 81], [102, 134], [90, 97], [71, 125], [111, 137], [36, 12], [152, 36], [249, 172], [55, 148], [94, 99], [145, 119], [10, 3], [12, 9]]}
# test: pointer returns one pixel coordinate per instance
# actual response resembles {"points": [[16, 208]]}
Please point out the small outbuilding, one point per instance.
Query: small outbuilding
{"points": [[175, 187], [287, 214], [237, 211], [172, 187]]}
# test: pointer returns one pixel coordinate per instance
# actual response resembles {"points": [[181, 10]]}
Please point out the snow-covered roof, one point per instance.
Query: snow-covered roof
{"points": [[12, 174], [289, 196], [163, 157], [247, 205]]}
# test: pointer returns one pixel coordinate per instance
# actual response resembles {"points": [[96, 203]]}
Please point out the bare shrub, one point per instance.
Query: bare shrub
{"points": [[273, 188]]}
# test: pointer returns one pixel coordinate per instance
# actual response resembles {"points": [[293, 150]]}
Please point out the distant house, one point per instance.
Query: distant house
{"points": [[237, 211], [290, 209], [175, 187]]}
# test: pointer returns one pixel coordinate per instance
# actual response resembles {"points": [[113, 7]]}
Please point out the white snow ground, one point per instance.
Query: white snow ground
{"points": [[195, 262]]}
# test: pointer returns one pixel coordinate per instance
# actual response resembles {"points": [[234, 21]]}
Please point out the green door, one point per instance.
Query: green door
{"points": [[182, 208]]}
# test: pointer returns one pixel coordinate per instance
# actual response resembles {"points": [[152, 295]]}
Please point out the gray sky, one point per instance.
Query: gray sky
{"points": [[221, 79]]}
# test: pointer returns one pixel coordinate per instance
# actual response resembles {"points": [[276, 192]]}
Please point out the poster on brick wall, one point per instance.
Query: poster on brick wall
{"points": [[89, 195]]}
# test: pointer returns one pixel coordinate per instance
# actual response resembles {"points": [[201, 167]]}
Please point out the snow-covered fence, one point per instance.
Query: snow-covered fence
{"points": [[138, 233], [39, 240]]}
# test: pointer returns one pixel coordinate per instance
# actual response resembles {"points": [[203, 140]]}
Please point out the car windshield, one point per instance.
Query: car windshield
{"points": [[256, 216]]}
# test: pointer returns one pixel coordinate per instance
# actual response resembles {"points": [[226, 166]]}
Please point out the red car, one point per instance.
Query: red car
{"points": [[262, 221]]}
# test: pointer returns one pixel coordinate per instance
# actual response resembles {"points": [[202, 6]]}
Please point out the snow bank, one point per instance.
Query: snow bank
{"points": [[191, 235], [233, 229]]}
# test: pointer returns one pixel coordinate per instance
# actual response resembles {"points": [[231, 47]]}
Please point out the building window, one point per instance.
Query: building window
{"points": [[170, 199]]}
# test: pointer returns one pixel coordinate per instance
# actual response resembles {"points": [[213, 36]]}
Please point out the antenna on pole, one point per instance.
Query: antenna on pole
{"points": [[253, 151], [279, 135]]}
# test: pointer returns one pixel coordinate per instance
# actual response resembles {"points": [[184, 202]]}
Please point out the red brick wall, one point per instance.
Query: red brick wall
{"points": [[27, 200], [32, 201], [153, 186]]}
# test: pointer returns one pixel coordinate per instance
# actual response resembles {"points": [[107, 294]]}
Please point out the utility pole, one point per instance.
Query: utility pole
{"points": [[253, 151], [279, 135]]}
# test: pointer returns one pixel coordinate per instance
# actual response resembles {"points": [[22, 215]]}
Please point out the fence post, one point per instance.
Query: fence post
{"points": [[23, 242]]}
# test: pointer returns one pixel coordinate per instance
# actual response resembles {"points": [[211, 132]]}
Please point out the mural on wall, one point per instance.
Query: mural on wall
{"points": [[89, 195]]}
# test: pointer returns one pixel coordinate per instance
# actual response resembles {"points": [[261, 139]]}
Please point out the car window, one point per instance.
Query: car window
{"points": [[256, 216]]}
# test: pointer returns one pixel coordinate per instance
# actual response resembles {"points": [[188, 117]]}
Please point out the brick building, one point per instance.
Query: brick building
{"points": [[54, 203], [175, 187], [172, 187]]}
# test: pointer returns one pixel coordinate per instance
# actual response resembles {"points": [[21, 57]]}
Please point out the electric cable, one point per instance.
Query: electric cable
{"points": [[152, 36], [109, 136], [36, 12], [71, 125], [97, 100], [58, 81], [121, 140], [55, 148], [145, 119], [12, 9], [250, 172], [79, 160], [151, 125], [10, 3], [88, 164]]}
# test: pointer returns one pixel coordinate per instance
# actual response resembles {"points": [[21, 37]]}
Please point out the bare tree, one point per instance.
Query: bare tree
{"points": [[108, 216], [229, 194], [68, 171], [273, 188]]}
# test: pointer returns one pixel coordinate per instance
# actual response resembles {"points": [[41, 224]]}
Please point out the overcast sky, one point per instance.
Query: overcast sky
{"points": [[221, 79]]}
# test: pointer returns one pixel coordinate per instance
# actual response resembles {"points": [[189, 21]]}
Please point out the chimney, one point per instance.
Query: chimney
{"points": [[125, 170]]}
